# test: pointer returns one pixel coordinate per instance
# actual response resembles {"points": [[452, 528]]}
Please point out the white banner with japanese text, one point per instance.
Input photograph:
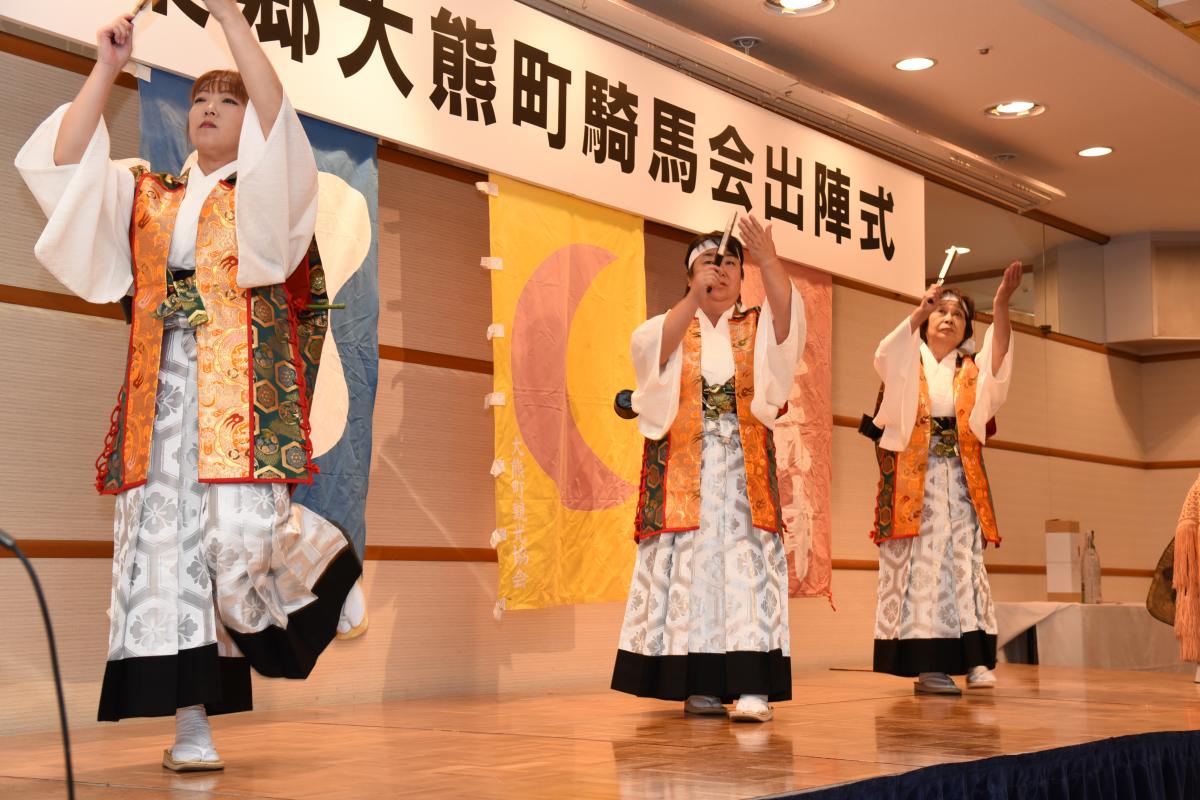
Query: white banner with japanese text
{"points": [[505, 88]]}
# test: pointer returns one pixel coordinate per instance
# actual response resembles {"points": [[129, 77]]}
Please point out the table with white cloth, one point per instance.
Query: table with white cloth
{"points": [[1104, 635]]}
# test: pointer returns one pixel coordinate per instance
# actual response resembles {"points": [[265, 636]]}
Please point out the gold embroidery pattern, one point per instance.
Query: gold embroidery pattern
{"points": [[910, 472], [154, 209], [971, 450], [758, 446], [222, 345], [682, 501]]}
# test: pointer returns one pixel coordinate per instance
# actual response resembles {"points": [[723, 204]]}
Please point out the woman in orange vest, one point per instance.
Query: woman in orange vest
{"points": [[707, 616], [214, 568], [934, 515]]}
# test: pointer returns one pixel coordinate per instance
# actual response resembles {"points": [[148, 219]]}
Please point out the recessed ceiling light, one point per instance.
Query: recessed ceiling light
{"points": [[1015, 109], [1095, 152], [914, 64], [798, 8]]}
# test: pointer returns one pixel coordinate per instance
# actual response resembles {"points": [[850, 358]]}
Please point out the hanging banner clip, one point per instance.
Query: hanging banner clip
{"points": [[497, 468], [491, 262], [498, 536], [488, 188], [495, 331], [493, 399]]}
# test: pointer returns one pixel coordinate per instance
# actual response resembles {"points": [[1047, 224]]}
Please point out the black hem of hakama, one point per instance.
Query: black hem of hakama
{"points": [[154, 686], [292, 652], [910, 657], [723, 675]]}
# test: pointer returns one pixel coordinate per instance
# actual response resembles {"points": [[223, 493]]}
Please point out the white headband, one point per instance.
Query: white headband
{"points": [[701, 247]]}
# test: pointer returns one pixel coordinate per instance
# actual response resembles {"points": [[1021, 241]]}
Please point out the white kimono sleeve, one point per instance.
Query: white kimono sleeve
{"points": [[276, 198], [88, 207], [990, 390], [898, 364], [656, 399], [775, 362]]}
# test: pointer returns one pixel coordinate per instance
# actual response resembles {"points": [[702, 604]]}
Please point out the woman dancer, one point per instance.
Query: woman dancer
{"points": [[707, 616], [935, 616], [215, 570]]}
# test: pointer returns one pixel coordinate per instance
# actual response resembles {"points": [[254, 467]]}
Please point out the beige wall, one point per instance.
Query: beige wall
{"points": [[432, 628]]}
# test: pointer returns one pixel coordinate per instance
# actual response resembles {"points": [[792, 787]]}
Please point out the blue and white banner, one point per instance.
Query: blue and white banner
{"points": [[347, 213]]}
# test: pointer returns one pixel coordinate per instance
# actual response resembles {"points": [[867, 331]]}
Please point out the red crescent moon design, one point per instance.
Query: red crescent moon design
{"points": [[541, 327]]}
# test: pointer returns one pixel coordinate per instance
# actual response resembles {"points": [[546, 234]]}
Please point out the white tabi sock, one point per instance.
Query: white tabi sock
{"points": [[752, 702], [193, 736], [353, 609]]}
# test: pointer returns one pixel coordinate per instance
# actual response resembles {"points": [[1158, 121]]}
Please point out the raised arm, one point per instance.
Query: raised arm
{"points": [[262, 84], [681, 314], [776, 284], [1001, 325], [925, 307], [114, 44]]}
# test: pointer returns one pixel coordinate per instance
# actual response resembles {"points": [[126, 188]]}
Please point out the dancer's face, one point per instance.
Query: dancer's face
{"points": [[947, 323], [215, 125], [729, 282]]}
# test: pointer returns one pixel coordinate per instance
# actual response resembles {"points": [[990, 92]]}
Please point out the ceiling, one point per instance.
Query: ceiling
{"points": [[1108, 71]]}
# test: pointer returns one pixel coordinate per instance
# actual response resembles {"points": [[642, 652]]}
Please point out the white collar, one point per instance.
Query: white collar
{"points": [[704, 320], [220, 173], [951, 359]]}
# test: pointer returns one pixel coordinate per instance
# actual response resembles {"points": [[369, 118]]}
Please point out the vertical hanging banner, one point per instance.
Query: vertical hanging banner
{"points": [[804, 438], [344, 398], [347, 207], [569, 289]]}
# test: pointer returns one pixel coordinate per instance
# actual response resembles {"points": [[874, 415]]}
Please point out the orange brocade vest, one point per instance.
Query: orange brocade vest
{"points": [[256, 356], [901, 494], [669, 497]]}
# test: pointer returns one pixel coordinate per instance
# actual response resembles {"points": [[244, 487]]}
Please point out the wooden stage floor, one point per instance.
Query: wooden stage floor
{"points": [[842, 726]]}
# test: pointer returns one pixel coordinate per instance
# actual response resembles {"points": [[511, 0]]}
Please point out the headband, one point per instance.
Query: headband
{"points": [[732, 247]]}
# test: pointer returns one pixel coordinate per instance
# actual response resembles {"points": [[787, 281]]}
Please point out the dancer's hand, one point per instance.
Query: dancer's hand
{"points": [[925, 307], [759, 241], [1010, 284], [114, 42], [929, 301], [704, 278]]}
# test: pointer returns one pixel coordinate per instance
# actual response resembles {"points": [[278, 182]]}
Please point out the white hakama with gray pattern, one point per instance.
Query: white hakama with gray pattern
{"points": [[708, 609], [196, 565], [935, 610]]}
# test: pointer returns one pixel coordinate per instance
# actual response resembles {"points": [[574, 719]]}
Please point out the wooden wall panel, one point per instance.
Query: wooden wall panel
{"points": [[666, 277], [1171, 408], [61, 374], [430, 483], [1092, 402], [433, 229]]}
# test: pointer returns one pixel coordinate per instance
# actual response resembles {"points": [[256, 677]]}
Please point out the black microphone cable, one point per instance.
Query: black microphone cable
{"points": [[11, 543]]}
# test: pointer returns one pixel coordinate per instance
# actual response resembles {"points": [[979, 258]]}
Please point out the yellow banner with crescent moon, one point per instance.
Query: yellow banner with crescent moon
{"points": [[568, 289]]}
